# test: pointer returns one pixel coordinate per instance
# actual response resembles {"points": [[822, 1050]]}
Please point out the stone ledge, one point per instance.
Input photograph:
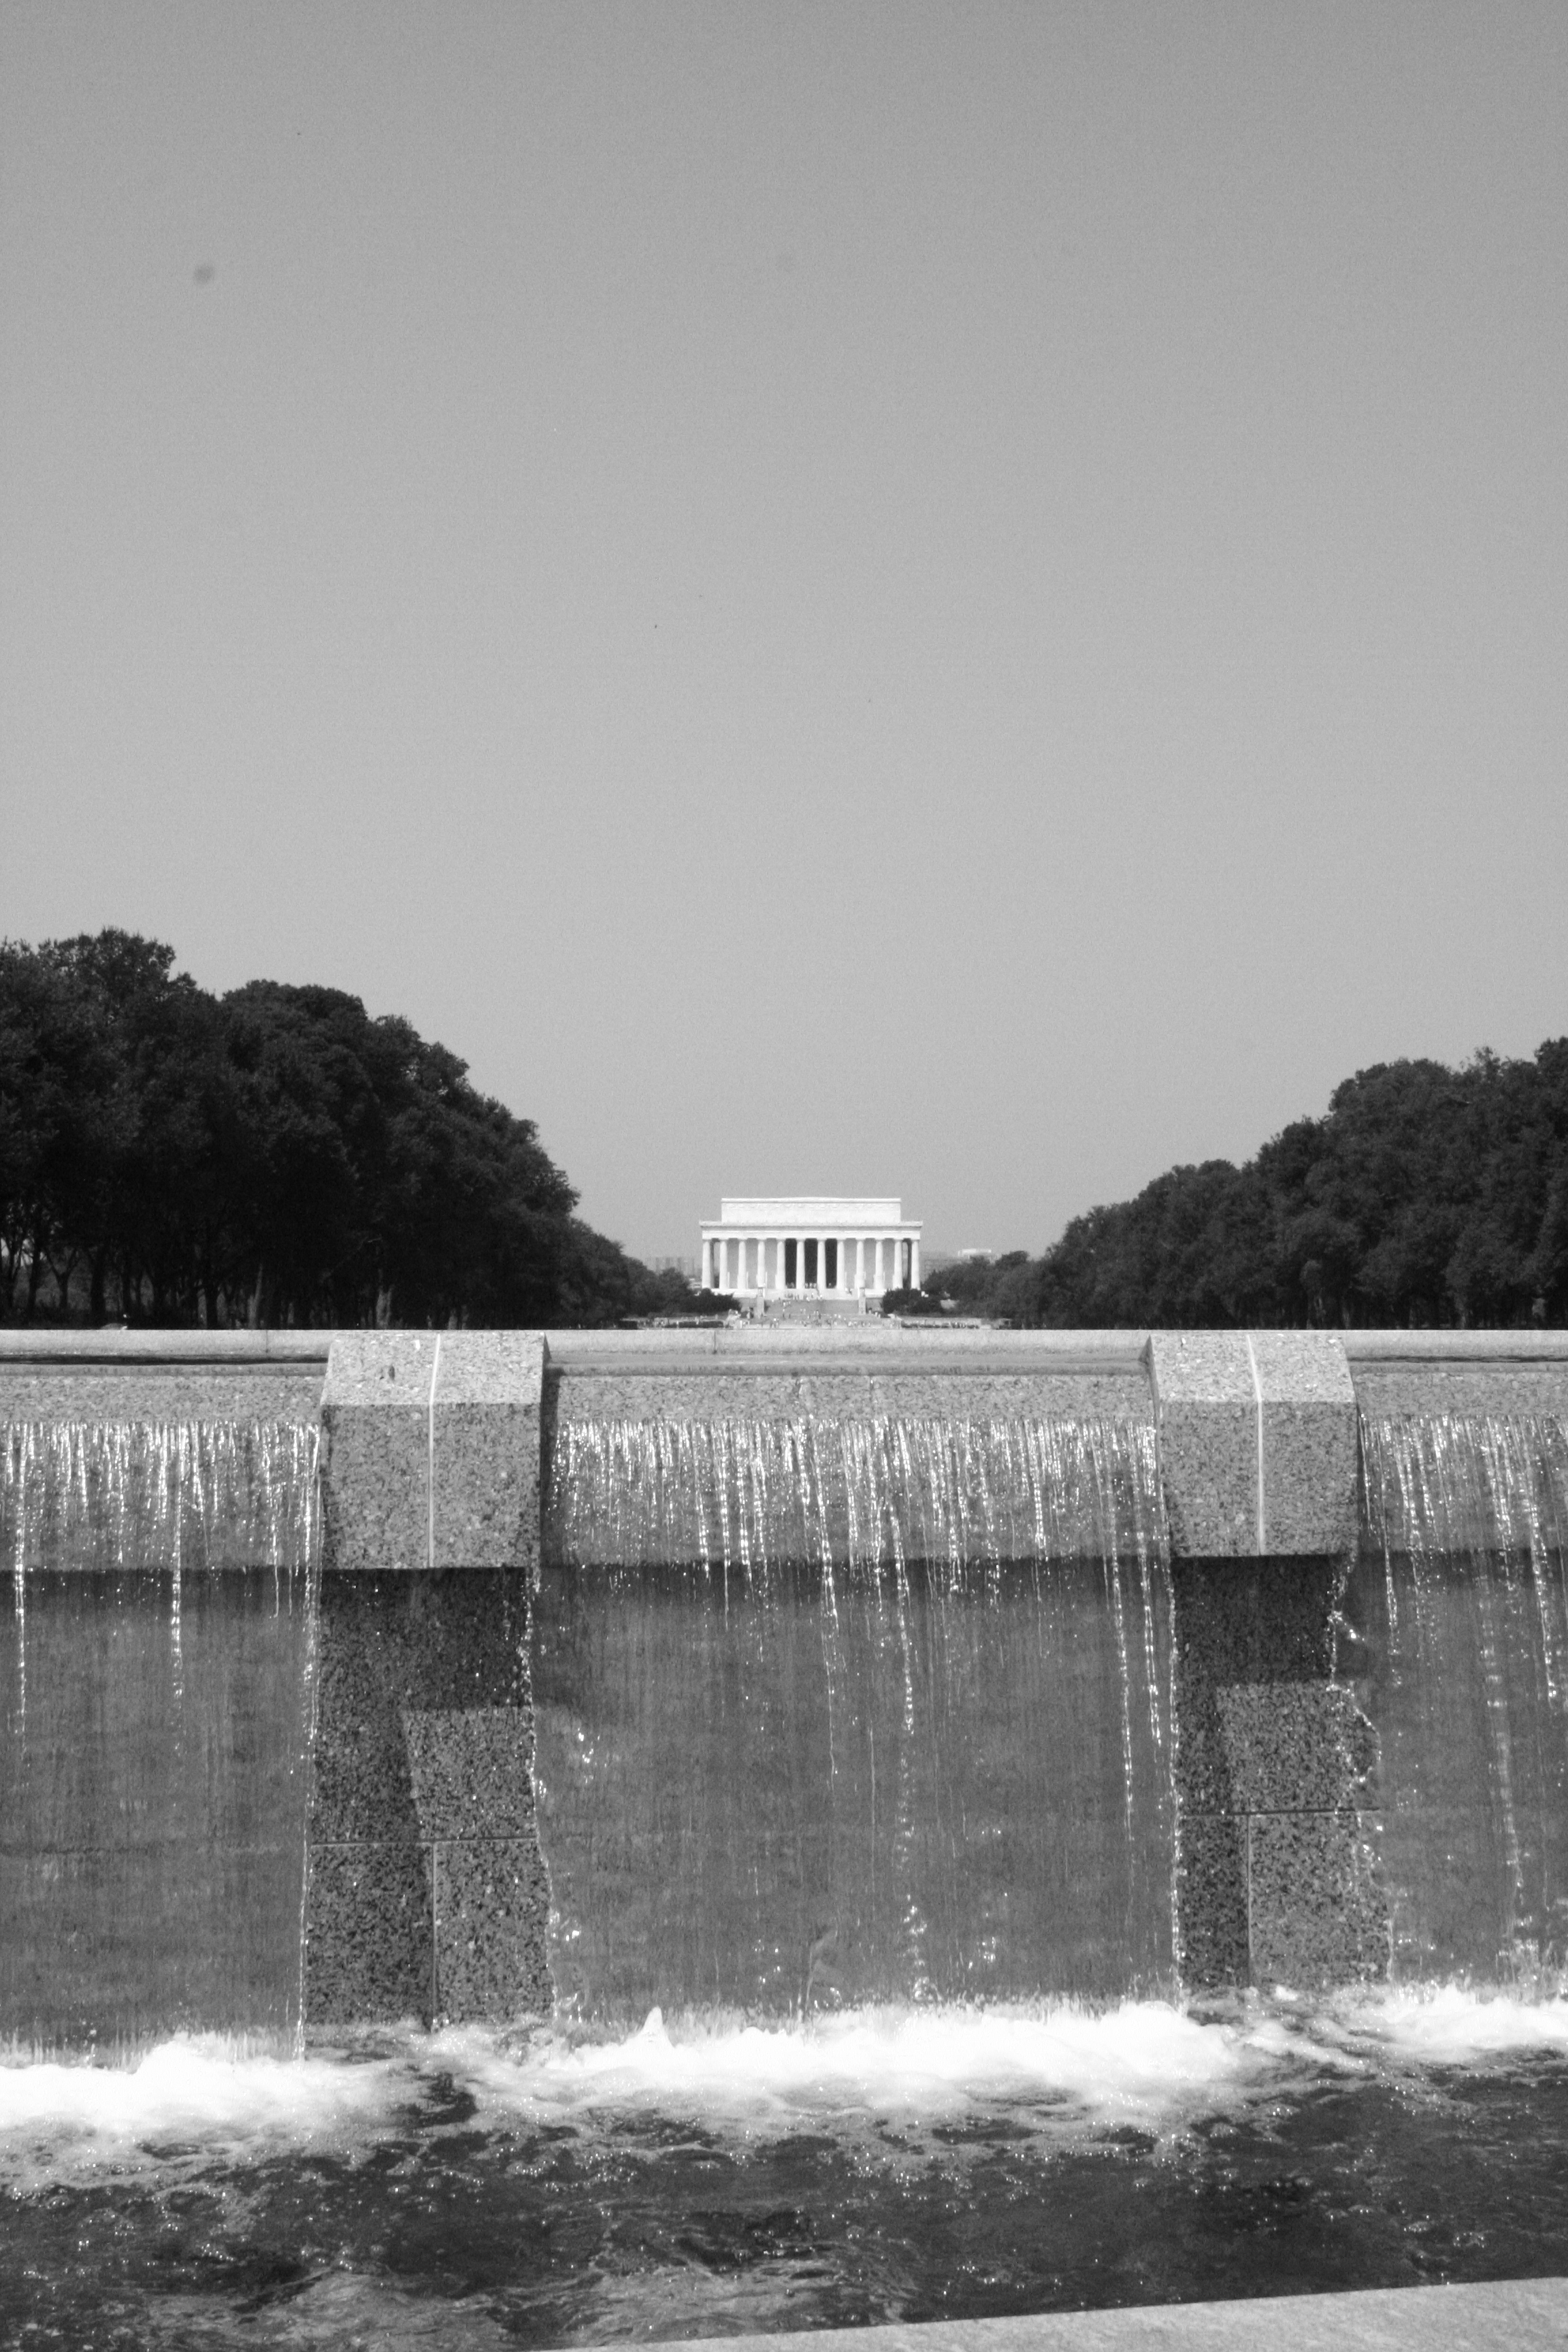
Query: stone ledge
{"points": [[1257, 1434], [432, 1450], [1520, 2313]]}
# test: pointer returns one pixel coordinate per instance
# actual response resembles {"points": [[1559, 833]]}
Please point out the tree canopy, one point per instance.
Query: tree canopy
{"points": [[272, 1156], [1424, 1196]]}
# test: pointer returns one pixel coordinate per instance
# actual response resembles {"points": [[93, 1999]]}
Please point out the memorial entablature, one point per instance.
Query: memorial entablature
{"points": [[832, 1245]]}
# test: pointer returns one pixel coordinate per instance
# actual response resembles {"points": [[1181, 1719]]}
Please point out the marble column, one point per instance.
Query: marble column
{"points": [[915, 1263]]}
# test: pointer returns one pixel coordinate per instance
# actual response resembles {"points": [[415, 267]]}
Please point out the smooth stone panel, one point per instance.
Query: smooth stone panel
{"points": [[1309, 1443], [1207, 1409], [118, 1946], [485, 1512], [1317, 1915], [375, 1468], [492, 1900]]}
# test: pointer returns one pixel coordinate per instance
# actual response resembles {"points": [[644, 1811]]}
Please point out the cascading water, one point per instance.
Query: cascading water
{"points": [[1460, 1602], [840, 1711], [155, 1737]]}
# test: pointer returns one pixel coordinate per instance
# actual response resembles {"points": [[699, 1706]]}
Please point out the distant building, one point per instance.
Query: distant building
{"points": [[846, 1249]]}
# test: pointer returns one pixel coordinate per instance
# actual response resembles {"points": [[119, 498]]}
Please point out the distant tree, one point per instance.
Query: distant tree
{"points": [[272, 1156], [1425, 1195]]}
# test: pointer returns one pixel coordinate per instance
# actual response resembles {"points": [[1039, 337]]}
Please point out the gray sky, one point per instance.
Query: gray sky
{"points": [[965, 600]]}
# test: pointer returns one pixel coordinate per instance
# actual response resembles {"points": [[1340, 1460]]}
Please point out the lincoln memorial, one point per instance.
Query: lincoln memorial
{"points": [[839, 1248]]}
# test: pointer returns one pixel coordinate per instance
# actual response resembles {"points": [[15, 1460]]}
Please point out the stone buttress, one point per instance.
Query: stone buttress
{"points": [[427, 1893]]}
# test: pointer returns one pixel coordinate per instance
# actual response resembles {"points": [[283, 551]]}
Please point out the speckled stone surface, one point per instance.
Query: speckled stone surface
{"points": [[1315, 1913], [1207, 1411], [1310, 1442], [1273, 1756], [471, 1769], [1264, 1747], [393, 1644], [432, 1449], [160, 1392], [1257, 1442], [1211, 1900], [369, 1937], [375, 1467], [487, 1449], [492, 1901], [424, 1741]]}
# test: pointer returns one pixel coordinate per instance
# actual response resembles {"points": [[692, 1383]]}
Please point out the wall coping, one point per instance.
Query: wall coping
{"points": [[916, 1345]]}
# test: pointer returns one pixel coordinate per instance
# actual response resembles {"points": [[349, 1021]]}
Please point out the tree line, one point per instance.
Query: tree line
{"points": [[1425, 1196], [271, 1155]]}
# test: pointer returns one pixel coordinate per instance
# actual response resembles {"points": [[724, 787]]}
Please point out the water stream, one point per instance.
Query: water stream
{"points": [[155, 1692], [1459, 1605], [853, 1710]]}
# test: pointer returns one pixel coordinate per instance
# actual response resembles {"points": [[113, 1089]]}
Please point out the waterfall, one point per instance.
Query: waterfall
{"points": [[157, 1494], [156, 1669], [1460, 1599], [843, 1710], [727, 1493]]}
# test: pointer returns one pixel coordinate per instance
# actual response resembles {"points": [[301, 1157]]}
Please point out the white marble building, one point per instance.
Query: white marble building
{"points": [[811, 1244]]}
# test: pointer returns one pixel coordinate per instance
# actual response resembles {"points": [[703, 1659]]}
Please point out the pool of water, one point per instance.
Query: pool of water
{"points": [[470, 2189]]}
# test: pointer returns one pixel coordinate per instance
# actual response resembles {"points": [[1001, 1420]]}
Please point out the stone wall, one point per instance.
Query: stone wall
{"points": [[427, 1891]]}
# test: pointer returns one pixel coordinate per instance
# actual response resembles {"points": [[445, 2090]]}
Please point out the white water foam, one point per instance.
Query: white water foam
{"points": [[1060, 2073]]}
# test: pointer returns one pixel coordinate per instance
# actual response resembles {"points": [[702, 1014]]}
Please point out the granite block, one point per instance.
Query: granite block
{"points": [[492, 1906], [1309, 1442], [486, 1449], [1239, 1621], [1211, 1901], [472, 1770], [1317, 1915], [1257, 1442], [1262, 1747], [171, 1392], [388, 1646], [1207, 1409], [375, 1471], [369, 1934]]}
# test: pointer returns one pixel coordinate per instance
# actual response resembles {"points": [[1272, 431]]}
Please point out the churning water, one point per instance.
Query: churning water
{"points": [[463, 2188]]}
